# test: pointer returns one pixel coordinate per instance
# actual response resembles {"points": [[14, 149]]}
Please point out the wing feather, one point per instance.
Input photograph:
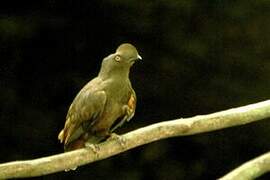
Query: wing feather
{"points": [[85, 108]]}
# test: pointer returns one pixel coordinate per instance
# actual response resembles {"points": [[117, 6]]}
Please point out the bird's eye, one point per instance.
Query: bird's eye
{"points": [[117, 58]]}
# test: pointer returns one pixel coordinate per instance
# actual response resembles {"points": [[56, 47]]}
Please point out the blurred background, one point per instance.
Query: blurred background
{"points": [[199, 57]]}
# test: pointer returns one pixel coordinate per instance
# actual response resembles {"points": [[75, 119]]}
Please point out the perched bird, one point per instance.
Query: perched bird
{"points": [[104, 103]]}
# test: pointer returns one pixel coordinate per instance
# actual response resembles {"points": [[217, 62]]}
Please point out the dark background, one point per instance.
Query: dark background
{"points": [[199, 57]]}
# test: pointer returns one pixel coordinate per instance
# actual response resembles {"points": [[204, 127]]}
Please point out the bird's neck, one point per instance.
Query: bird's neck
{"points": [[106, 73]]}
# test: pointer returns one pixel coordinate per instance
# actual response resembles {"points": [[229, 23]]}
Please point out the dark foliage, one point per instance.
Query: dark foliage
{"points": [[198, 57]]}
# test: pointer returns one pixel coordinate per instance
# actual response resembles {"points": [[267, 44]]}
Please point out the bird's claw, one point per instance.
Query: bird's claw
{"points": [[119, 139], [95, 148]]}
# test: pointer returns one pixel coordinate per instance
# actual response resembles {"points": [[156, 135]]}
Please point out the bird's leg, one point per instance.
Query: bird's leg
{"points": [[127, 111], [120, 139], [119, 124]]}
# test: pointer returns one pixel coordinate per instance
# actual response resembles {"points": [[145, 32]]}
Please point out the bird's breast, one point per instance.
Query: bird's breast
{"points": [[117, 96]]}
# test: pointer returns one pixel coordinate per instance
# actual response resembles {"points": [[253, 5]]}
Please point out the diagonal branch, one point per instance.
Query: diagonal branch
{"points": [[251, 169], [178, 127]]}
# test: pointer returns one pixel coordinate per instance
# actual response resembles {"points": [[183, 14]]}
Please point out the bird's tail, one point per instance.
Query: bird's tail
{"points": [[76, 144], [81, 141]]}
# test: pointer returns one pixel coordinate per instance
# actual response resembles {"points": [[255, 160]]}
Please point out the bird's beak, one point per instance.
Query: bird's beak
{"points": [[139, 57]]}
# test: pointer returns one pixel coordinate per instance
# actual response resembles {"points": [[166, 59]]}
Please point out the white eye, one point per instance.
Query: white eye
{"points": [[117, 58]]}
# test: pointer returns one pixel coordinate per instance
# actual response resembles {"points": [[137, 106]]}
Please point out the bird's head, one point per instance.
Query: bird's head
{"points": [[127, 53], [120, 61]]}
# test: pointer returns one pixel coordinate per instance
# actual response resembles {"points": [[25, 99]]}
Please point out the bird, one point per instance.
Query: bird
{"points": [[104, 104]]}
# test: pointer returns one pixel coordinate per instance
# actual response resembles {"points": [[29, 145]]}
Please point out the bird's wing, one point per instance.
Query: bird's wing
{"points": [[85, 108], [129, 111]]}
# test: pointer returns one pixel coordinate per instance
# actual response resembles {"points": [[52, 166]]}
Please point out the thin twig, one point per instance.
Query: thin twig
{"points": [[178, 127], [251, 169]]}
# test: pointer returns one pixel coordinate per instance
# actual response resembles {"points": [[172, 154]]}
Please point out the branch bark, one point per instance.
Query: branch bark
{"points": [[178, 127], [251, 169]]}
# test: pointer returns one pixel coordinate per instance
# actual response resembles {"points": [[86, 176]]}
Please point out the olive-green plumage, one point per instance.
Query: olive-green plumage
{"points": [[104, 103]]}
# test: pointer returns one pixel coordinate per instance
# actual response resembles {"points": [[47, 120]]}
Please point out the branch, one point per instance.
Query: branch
{"points": [[178, 127], [251, 169]]}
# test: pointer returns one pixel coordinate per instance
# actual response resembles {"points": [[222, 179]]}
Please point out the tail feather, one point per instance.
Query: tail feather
{"points": [[77, 144], [81, 142], [65, 134], [75, 138]]}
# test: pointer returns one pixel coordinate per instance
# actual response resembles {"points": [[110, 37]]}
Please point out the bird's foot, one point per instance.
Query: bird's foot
{"points": [[119, 139], [94, 147]]}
